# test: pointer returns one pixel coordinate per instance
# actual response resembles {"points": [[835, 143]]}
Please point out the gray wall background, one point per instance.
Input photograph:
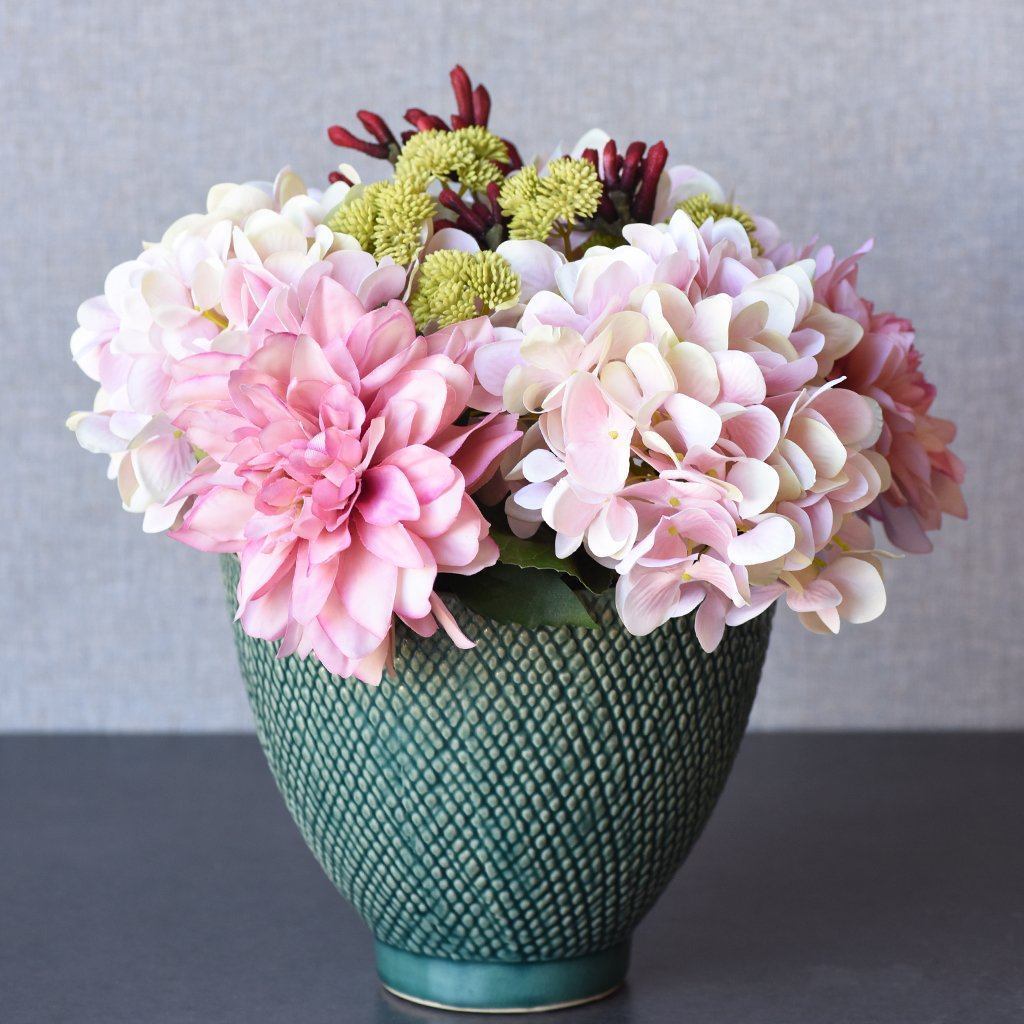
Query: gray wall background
{"points": [[898, 120]]}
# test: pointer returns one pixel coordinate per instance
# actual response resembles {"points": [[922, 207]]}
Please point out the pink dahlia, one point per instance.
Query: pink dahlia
{"points": [[337, 471], [886, 366]]}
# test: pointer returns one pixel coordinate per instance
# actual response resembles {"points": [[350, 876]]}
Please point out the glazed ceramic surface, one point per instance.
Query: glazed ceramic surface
{"points": [[513, 810]]}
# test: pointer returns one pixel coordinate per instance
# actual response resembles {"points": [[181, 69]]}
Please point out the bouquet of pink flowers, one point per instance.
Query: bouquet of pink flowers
{"points": [[510, 382]]}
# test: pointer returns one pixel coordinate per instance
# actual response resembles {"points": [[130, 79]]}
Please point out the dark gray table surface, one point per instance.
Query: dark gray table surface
{"points": [[843, 878]]}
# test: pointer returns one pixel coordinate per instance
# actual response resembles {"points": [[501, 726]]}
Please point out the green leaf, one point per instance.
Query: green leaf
{"points": [[528, 596], [538, 554]]}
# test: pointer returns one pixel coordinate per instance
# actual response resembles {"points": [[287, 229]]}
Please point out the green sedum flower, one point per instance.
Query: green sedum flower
{"points": [[453, 286], [569, 191], [700, 208], [403, 208], [386, 218], [470, 155], [356, 215]]}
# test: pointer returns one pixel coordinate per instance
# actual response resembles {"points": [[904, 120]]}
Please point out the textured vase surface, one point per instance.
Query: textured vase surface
{"points": [[503, 817]]}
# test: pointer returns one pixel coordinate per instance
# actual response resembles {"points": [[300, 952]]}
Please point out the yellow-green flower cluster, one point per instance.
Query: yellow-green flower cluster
{"points": [[701, 207], [569, 191], [386, 218], [453, 286], [471, 155]]}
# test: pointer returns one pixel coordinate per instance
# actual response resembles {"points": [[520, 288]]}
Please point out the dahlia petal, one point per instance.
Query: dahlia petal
{"points": [[440, 514], [312, 583], [366, 585], [475, 450], [486, 556], [903, 528], [460, 543], [261, 569], [412, 595], [449, 625], [347, 636], [392, 543], [387, 497], [267, 617]]}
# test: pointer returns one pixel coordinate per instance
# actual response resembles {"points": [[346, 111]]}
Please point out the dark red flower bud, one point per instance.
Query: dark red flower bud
{"points": [[631, 164], [344, 138], [376, 126], [653, 165], [515, 161], [611, 164], [481, 105], [606, 209], [424, 122], [463, 89], [468, 219]]}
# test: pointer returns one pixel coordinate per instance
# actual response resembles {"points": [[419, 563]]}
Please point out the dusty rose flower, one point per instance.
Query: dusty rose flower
{"points": [[336, 471], [885, 365]]}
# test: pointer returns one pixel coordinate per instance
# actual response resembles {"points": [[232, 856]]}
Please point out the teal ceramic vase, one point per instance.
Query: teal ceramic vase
{"points": [[502, 818]]}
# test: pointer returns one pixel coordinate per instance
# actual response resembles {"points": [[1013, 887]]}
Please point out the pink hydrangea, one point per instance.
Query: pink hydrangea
{"points": [[336, 470], [682, 434]]}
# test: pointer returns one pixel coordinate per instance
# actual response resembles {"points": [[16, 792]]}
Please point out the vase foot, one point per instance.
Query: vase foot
{"points": [[496, 987]]}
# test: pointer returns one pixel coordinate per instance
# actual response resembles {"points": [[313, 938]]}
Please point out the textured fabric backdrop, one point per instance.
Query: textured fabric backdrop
{"points": [[901, 120]]}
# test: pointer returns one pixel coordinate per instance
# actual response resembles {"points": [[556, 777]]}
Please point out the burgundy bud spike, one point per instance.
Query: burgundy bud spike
{"points": [[463, 89], [653, 165], [481, 105], [344, 138], [424, 122]]}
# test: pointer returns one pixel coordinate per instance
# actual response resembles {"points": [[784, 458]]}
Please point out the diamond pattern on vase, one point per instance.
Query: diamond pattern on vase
{"points": [[526, 800]]}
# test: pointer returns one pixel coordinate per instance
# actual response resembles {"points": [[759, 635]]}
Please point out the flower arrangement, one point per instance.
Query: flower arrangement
{"points": [[511, 382]]}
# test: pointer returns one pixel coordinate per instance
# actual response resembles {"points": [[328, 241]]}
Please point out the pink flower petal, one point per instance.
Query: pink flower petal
{"points": [[771, 538]]}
